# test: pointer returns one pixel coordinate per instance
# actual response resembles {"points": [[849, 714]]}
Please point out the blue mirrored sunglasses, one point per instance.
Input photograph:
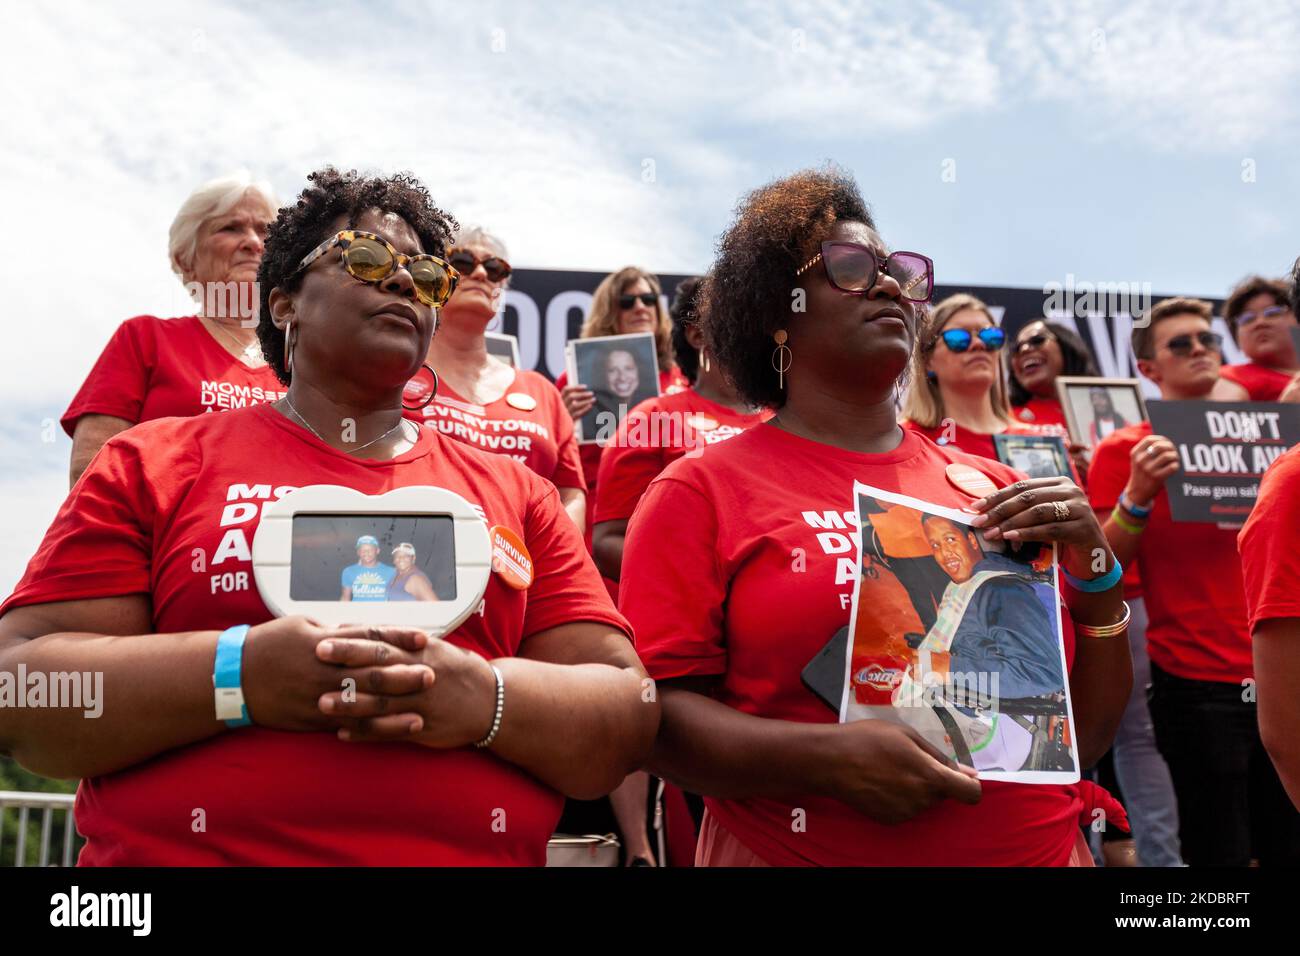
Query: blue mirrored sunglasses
{"points": [[959, 340]]}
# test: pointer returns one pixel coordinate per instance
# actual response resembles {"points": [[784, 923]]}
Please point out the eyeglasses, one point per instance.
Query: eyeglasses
{"points": [[854, 268], [1036, 341], [370, 258], [1181, 345], [959, 340], [465, 262], [1248, 317], [627, 301]]}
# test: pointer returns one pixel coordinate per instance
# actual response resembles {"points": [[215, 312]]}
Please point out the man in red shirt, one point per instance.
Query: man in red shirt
{"points": [[1270, 564], [1230, 803], [1259, 316]]}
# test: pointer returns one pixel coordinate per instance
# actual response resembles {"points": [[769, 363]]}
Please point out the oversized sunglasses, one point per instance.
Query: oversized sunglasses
{"points": [[959, 340], [370, 258], [1036, 341], [1248, 317], [1181, 345], [854, 268], [465, 262], [627, 301]]}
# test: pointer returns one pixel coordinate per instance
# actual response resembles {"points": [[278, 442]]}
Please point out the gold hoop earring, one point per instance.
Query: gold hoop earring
{"points": [[781, 357]]}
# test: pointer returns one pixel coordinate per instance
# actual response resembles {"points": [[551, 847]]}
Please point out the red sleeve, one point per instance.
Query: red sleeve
{"points": [[101, 541], [120, 379], [568, 457], [672, 588], [625, 473], [1108, 473], [566, 585], [562, 380], [1270, 561]]}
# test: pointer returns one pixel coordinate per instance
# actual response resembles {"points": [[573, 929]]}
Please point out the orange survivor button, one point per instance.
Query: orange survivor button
{"points": [[510, 557], [970, 480]]}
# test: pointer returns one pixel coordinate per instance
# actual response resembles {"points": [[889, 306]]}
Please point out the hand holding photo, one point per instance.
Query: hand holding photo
{"points": [[622, 371], [1096, 407], [959, 638]]}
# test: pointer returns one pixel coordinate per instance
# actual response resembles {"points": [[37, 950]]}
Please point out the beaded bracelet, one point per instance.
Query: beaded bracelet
{"points": [[501, 706]]}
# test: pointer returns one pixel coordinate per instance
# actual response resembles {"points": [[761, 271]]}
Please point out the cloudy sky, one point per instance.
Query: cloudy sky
{"points": [[1127, 141]]}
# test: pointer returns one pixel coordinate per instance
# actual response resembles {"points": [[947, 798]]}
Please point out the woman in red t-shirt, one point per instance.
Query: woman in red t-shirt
{"points": [[481, 400], [1042, 351], [660, 430], [157, 368], [957, 395], [146, 571], [736, 574], [1259, 316], [626, 302]]}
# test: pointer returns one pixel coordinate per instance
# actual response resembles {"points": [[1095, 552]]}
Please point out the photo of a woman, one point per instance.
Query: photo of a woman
{"points": [[410, 583], [621, 374]]}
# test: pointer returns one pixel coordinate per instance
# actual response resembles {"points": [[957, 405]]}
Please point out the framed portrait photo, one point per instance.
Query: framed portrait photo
{"points": [[1038, 456], [416, 556], [1095, 407], [622, 371]]}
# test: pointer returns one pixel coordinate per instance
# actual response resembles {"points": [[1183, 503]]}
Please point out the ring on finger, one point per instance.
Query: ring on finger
{"points": [[1061, 510]]}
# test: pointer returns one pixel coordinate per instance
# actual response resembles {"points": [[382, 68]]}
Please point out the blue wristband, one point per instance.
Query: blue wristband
{"points": [[1133, 509], [1103, 583], [226, 682]]}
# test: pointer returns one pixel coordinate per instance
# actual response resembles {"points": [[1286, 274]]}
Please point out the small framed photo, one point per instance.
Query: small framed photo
{"points": [[1038, 456], [622, 370], [505, 347], [417, 556], [1095, 407]]}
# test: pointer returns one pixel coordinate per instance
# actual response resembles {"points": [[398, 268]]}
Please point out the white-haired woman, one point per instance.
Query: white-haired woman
{"points": [[481, 400], [162, 368]]}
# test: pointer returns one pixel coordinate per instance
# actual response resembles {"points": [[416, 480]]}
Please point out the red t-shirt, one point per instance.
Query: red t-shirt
{"points": [[541, 437], [1040, 411], [741, 564], [654, 435], [1270, 560], [161, 493], [159, 368], [670, 380], [978, 443], [1191, 576], [1263, 383]]}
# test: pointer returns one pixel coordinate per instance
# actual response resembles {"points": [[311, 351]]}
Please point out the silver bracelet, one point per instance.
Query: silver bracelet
{"points": [[501, 706]]}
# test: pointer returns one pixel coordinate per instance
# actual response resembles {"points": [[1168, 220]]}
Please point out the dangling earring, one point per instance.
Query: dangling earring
{"points": [[781, 357], [704, 359], [931, 377], [432, 393], [288, 348]]}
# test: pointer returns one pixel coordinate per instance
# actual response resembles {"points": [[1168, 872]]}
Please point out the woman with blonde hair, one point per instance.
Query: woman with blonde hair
{"points": [[957, 394], [209, 361]]}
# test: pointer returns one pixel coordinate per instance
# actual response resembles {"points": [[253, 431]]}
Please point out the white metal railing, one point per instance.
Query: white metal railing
{"points": [[48, 804]]}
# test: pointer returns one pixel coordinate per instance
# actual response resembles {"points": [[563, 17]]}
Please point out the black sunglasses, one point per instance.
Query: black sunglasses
{"points": [[626, 301], [465, 262], [1036, 341], [1181, 345]]}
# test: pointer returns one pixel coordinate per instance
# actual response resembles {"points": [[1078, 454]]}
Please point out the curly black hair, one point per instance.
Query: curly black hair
{"points": [[1077, 360], [683, 314], [747, 295], [330, 196]]}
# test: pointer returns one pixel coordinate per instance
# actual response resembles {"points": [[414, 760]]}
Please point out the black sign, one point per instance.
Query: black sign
{"points": [[1224, 448], [545, 308]]}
